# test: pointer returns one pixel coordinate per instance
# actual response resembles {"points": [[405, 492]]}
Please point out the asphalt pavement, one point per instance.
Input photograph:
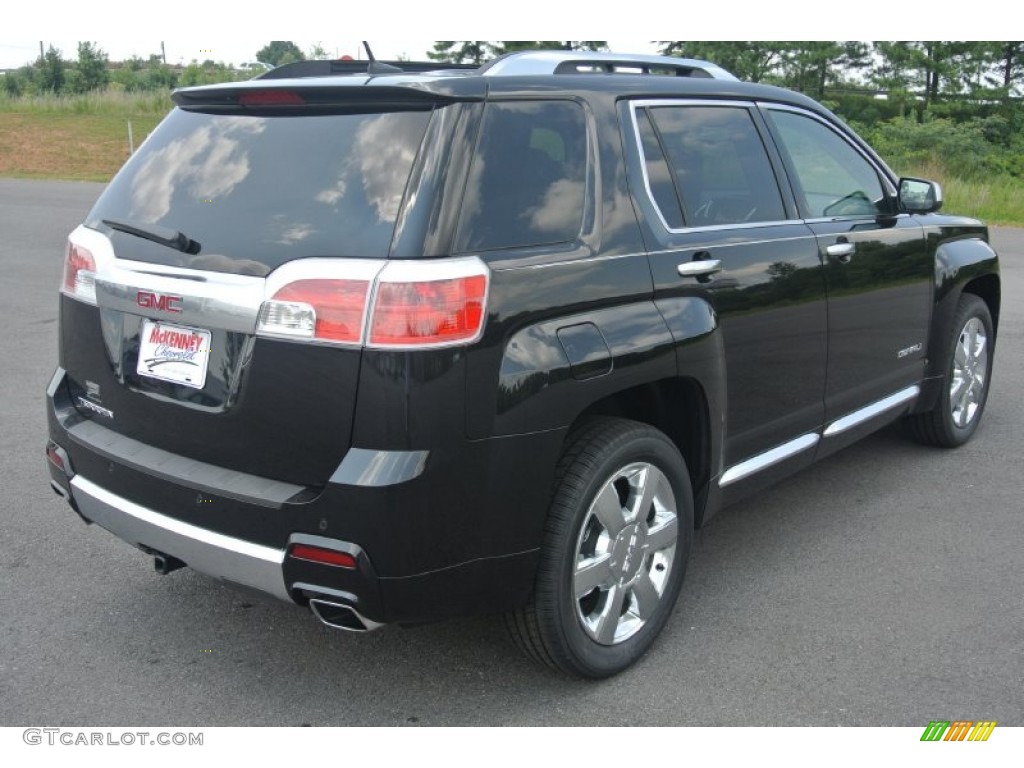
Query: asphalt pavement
{"points": [[882, 586]]}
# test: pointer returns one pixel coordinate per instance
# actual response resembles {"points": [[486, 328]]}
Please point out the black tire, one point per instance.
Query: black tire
{"points": [[612, 472], [965, 385]]}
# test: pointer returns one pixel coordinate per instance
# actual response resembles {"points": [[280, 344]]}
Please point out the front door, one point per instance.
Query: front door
{"points": [[878, 271]]}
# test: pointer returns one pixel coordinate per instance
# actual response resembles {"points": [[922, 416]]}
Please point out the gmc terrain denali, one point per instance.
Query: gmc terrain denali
{"points": [[402, 345]]}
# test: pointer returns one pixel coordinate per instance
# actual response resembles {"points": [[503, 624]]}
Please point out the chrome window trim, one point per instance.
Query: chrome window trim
{"points": [[767, 459], [634, 106], [868, 412], [713, 246], [566, 262]]}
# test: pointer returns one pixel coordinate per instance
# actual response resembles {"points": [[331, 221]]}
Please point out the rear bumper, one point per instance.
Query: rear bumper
{"points": [[214, 554], [429, 542]]}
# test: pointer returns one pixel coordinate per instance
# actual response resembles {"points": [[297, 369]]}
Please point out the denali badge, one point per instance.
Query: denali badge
{"points": [[89, 405], [163, 302], [909, 350]]}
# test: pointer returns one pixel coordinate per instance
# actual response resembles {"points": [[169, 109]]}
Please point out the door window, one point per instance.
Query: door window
{"points": [[832, 178], [719, 163]]}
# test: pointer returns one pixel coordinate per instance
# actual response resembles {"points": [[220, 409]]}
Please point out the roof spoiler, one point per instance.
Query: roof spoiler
{"points": [[325, 68]]}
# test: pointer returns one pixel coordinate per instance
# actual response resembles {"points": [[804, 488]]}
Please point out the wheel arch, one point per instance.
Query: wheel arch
{"points": [[966, 265], [676, 406]]}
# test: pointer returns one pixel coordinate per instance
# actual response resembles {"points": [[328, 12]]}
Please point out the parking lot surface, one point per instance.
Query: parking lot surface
{"points": [[882, 586]]}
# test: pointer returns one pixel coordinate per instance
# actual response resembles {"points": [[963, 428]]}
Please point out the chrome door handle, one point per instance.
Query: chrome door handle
{"points": [[700, 268], [841, 251]]}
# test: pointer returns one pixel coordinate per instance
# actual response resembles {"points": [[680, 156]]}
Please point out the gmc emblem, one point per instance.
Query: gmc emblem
{"points": [[165, 303]]}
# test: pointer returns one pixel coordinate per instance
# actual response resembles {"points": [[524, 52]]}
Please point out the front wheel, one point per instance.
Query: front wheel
{"points": [[616, 546], [968, 372]]}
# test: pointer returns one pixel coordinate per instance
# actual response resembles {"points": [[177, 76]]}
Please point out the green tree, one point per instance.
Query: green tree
{"points": [[52, 71], [479, 51], [812, 65], [1008, 61], [318, 52], [751, 61], [279, 52], [462, 51], [92, 67]]}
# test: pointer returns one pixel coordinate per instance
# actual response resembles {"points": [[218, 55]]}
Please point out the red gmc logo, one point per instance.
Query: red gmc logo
{"points": [[164, 303]]}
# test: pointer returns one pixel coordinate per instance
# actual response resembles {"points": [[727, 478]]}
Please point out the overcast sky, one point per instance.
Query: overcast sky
{"points": [[203, 29], [236, 51]]}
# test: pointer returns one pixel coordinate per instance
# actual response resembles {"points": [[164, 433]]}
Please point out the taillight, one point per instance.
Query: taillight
{"points": [[329, 310], [79, 273], [411, 304], [427, 312]]}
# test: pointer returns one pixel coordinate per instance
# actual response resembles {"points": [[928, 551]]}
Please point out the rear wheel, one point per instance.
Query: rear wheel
{"points": [[616, 545], [968, 371]]}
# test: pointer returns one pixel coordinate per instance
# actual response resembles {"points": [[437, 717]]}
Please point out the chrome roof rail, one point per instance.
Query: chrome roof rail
{"points": [[589, 62]]}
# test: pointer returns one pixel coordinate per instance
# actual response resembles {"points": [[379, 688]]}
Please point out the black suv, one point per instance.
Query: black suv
{"points": [[402, 345]]}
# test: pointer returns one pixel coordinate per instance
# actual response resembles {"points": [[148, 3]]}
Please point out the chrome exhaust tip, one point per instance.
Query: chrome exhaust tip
{"points": [[340, 616]]}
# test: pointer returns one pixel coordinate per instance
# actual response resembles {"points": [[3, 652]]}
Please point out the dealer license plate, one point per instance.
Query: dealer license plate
{"points": [[174, 353]]}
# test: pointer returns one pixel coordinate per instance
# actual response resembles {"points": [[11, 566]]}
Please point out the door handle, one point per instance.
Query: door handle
{"points": [[841, 252], [700, 268]]}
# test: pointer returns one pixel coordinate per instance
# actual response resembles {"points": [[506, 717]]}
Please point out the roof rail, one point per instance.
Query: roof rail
{"points": [[588, 62], [327, 67]]}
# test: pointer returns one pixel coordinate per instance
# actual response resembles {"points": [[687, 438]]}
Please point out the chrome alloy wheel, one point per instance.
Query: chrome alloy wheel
{"points": [[624, 553], [970, 367]]}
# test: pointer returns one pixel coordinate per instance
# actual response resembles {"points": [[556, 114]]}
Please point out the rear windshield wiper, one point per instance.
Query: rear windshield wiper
{"points": [[172, 238]]}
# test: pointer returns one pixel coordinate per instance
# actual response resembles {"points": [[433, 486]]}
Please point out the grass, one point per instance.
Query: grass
{"points": [[82, 138], [86, 138], [998, 200]]}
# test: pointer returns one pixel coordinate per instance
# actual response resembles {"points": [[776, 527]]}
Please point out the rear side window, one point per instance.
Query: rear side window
{"points": [[256, 192], [720, 165], [527, 182]]}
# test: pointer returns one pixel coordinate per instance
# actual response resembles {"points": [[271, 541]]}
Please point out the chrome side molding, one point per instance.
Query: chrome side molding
{"points": [[791, 448], [768, 458], [868, 412]]}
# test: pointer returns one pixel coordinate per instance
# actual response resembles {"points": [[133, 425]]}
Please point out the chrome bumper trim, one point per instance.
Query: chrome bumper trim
{"points": [[214, 554]]}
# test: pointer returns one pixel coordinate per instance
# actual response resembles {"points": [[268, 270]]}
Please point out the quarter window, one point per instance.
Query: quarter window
{"points": [[527, 183], [719, 163], [832, 178]]}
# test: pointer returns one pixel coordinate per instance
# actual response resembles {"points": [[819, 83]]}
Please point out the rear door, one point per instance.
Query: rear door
{"points": [[712, 197]]}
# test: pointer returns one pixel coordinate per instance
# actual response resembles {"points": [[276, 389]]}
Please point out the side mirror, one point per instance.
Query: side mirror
{"points": [[919, 196]]}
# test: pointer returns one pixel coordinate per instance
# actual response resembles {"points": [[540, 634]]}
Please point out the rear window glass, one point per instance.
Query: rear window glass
{"points": [[527, 183], [256, 192]]}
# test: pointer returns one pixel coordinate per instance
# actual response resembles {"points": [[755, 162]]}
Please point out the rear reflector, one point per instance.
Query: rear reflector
{"points": [[79, 273], [322, 556], [53, 453], [273, 98]]}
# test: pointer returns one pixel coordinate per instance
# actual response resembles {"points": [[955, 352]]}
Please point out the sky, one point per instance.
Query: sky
{"points": [[201, 29], [238, 51]]}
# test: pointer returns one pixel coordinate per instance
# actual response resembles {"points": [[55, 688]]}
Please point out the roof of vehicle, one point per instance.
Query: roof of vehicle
{"points": [[554, 72]]}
